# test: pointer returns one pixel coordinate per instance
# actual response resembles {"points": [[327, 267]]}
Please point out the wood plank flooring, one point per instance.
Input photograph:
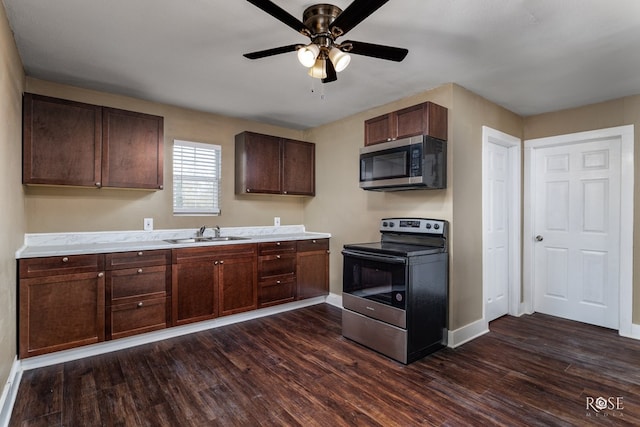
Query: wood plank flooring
{"points": [[295, 369]]}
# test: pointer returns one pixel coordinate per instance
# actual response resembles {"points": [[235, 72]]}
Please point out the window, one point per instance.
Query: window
{"points": [[196, 178]]}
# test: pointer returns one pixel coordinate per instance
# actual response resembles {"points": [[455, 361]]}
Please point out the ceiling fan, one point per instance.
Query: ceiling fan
{"points": [[323, 24]]}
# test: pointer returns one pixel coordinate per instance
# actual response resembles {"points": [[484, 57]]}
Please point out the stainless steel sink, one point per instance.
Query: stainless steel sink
{"points": [[205, 239]]}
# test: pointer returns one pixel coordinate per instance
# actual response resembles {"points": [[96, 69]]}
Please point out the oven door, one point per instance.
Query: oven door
{"points": [[375, 277]]}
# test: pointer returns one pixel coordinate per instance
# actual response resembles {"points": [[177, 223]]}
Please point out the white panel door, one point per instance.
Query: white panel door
{"points": [[577, 229], [497, 231]]}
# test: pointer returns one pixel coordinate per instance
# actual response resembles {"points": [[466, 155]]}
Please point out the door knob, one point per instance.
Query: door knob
{"points": [[539, 238]]}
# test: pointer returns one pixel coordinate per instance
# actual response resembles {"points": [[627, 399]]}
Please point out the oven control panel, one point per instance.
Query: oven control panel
{"points": [[414, 225]]}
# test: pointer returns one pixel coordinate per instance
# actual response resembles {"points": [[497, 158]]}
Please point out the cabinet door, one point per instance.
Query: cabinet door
{"points": [[61, 312], [379, 129], [133, 145], [238, 284], [410, 121], [298, 168], [62, 142], [258, 164], [194, 292], [312, 270]]}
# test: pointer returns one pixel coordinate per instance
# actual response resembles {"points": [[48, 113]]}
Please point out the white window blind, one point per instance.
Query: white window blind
{"points": [[196, 178]]}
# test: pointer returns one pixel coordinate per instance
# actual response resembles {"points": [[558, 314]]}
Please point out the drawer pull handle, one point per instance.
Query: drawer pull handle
{"points": [[278, 282], [278, 256], [139, 253], [278, 244], [221, 262], [101, 274], [65, 259], [139, 270], [215, 262], [314, 241], [140, 304]]}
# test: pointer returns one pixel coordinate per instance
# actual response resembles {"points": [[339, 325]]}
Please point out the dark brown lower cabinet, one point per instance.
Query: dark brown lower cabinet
{"points": [[213, 281], [138, 292], [276, 273], [71, 301], [60, 312], [312, 268]]}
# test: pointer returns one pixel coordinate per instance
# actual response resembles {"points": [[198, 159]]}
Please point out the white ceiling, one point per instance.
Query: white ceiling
{"points": [[530, 56]]}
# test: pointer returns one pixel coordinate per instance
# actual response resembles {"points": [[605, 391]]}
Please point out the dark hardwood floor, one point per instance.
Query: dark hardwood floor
{"points": [[295, 368]]}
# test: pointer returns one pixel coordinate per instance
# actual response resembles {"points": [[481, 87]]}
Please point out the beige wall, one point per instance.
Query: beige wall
{"points": [[12, 223], [60, 209], [623, 111], [470, 112]]}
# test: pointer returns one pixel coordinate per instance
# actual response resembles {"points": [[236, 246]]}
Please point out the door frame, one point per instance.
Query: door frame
{"points": [[626, 136], [514, 161]]}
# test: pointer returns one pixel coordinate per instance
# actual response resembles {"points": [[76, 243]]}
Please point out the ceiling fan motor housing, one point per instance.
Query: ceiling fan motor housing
{"points": [[317, 19]]}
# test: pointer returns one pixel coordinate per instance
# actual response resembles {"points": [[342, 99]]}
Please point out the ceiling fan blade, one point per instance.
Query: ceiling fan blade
{"points": [[354, 14], [389, 53], [331, 72], [270, 52], [281, 15]]}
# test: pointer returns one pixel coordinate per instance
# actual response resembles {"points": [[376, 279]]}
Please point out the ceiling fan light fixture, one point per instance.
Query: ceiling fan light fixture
{"points": [[307, 54], [339, 59], [318, 71]]}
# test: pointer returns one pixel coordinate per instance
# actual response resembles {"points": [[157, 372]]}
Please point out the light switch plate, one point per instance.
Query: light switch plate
{"points": [[276, 221], [148, 224]]}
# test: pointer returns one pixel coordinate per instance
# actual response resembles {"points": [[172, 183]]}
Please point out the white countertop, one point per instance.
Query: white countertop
{"points": [[54, 244]]}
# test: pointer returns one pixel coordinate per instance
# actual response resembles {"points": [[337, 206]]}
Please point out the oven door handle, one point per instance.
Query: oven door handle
{"points": [[374, 257]]}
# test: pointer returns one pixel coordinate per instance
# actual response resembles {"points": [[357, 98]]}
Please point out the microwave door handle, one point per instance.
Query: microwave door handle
{"points": [[376, 258]]}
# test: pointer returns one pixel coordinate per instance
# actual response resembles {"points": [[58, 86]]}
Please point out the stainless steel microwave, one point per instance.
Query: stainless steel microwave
{"points": [[419, 162]]}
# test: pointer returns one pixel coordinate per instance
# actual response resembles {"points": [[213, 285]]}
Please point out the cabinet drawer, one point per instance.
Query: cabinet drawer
{"points": [[270, 248], [137, 259], [131, 283], [276, 292], [53, 266], [276, 265], [137, 317], [313, 245]]}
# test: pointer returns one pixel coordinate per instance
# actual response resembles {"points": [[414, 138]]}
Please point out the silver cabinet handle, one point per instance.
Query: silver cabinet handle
{"points": [[65, 259], [539, 238], [278, 257], [221, 262], [139, 271], [140, 304], [140, 253], [101, 274]]}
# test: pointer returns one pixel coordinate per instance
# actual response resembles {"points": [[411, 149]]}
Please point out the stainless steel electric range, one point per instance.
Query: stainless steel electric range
{"points": [[395, 291]]}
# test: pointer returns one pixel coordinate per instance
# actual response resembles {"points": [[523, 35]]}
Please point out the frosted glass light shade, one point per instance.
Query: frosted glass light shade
{"points": [[307, 54], [339, 59], [318, 70]]}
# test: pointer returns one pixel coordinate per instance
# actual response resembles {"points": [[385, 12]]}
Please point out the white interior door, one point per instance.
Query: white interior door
{"points": [[496, 231], [576, 214]]}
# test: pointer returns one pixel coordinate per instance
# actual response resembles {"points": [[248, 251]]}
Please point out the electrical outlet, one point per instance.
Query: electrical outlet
{"points": [[148, 224], [276, 221]]}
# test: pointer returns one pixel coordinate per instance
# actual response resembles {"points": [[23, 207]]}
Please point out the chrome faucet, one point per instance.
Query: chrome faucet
{"points": [[200, 232], [216, 231]]}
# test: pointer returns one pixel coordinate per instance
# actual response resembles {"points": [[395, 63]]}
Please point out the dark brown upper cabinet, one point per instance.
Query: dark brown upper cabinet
{"points": [[72, 143], [422, 119], [271, 165]]}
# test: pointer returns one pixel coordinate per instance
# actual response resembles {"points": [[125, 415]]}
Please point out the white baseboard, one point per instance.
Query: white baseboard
{"points": [[9, 393], [633, 333], [335, 300], [176, 331], [467, 333]]}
